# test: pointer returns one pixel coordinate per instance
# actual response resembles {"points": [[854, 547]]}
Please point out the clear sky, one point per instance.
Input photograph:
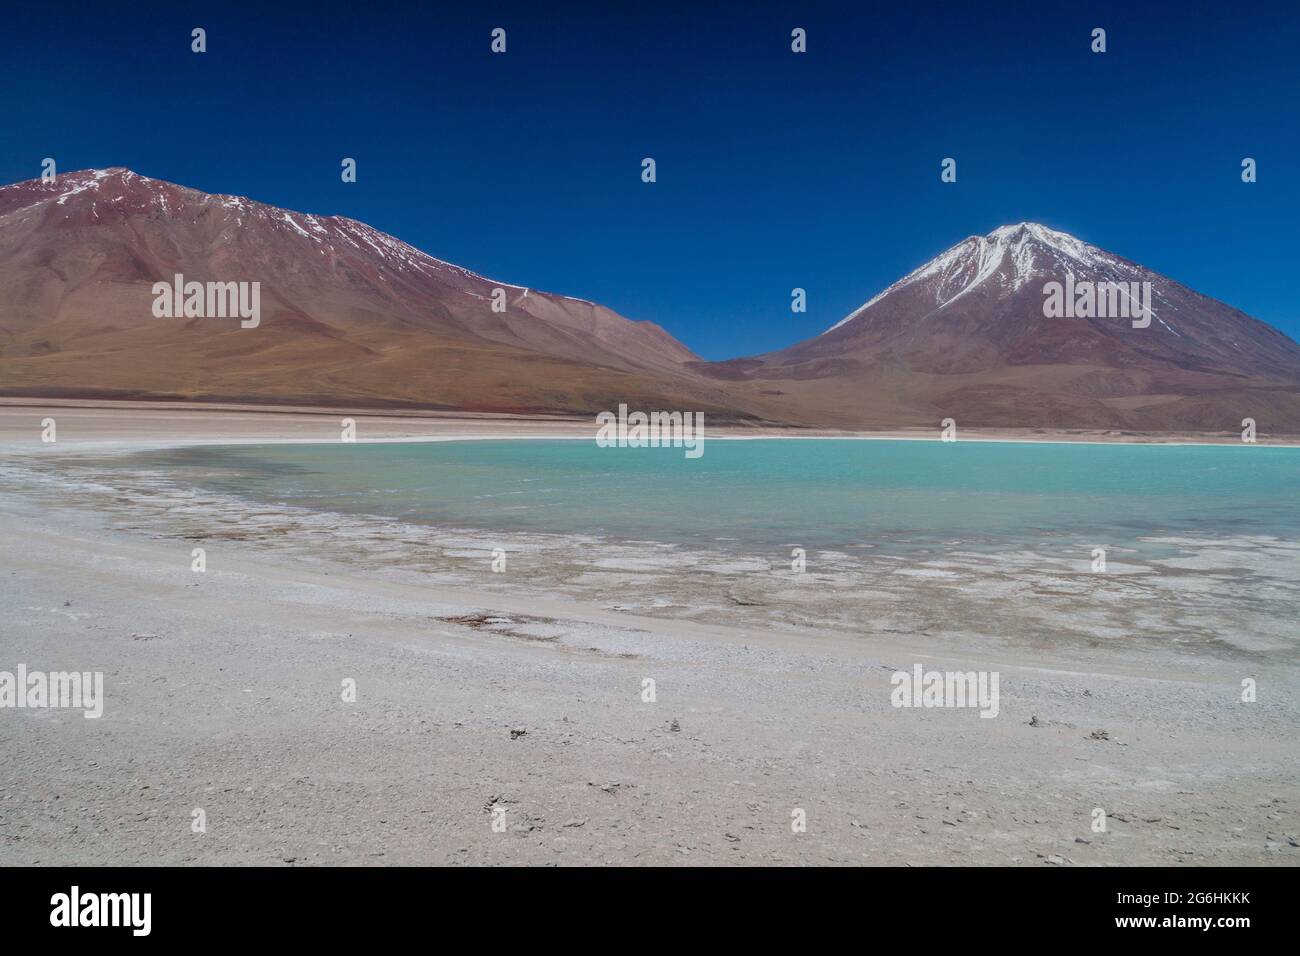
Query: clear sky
{"points": [[775, 170]]}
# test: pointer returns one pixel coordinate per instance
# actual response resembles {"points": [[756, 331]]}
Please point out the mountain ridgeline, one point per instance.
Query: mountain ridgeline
{"points": [[352, 316]]}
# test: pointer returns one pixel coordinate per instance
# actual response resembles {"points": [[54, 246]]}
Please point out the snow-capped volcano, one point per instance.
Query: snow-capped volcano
{"points": [[980, 304], [969, 334], [1012, 256]]}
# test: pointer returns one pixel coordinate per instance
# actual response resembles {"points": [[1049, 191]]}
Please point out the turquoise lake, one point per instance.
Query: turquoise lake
{"points": [[776, 492]]}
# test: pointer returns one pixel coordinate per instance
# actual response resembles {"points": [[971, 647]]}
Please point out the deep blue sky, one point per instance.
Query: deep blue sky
{"points": [[775, 170]]}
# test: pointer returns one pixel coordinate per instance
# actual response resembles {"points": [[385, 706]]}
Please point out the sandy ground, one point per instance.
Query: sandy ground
{"points": [[90, 425], [223, 692]]}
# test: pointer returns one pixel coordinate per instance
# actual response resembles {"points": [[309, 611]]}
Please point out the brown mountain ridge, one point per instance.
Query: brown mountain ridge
{"points": [[350, 315]]}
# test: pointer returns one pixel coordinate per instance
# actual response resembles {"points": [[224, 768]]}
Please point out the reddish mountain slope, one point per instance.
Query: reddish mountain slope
{"points": [[965, 336], [348, 313], [351, 315]]}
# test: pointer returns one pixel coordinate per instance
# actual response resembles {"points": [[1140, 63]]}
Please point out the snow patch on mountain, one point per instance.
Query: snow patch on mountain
{"points": [[331, 234], [96, 177], [1016, 255]]}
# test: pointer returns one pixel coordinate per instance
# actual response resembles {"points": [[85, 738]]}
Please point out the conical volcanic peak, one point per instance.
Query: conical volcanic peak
{"points": [[1020, 326], [1012, 257]]}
